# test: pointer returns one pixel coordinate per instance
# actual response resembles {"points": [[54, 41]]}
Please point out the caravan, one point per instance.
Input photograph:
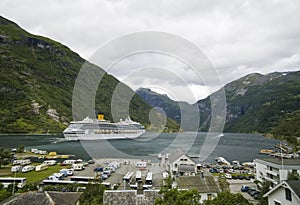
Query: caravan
{"points": [[41, 167], [28, 168], [49, 162], [15, 168]]}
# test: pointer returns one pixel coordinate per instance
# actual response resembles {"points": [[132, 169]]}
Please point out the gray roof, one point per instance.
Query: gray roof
{"points": [[186, 168], [176, 154], [45, 198], [203, 185], [295, 185], [284, 164]]}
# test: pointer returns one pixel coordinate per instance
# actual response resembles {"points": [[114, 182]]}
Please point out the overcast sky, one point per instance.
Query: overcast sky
{"points": [[239, 37]]}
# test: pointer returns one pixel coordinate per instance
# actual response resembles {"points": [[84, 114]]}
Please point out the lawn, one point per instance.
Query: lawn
{"points": [[34, 176]]}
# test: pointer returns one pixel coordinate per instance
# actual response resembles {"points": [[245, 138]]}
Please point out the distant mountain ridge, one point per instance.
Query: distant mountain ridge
{"points": [[256, 103], [37, 77]]}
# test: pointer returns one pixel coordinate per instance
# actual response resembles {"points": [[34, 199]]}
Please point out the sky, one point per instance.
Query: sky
{"points": [[237, 37]]}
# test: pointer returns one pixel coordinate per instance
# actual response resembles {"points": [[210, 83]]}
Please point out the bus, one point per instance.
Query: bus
{"points": [[149, 178], [138, 175], [82, 179], [128, 176], [6, 181]]}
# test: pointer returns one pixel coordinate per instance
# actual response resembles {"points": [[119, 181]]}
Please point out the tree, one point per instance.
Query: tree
{"points": [[223, 184], [93, 194], [264, 188], [293, 175], [5, 156], [225, 198], [20, 148], [178, 197]]}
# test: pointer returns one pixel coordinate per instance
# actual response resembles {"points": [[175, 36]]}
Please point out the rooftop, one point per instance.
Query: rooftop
{"points": [[203, 185], [295, 185], [45, 198], [282, 161]]}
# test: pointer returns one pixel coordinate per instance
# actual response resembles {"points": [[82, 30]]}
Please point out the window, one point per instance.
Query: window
{"points": [[277, 203], [288, 194], [209, 196]]}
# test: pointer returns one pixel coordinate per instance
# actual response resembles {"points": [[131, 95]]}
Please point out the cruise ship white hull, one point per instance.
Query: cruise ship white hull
{"points": [[88, 137]]}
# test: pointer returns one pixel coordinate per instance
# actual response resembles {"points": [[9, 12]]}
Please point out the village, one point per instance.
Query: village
{"points": [[139, 181]]}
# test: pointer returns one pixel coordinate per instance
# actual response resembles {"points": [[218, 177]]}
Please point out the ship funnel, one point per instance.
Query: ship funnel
{"points": [[100, 117]]}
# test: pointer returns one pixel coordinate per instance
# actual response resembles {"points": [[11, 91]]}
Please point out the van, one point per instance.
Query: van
{"points": [[15, 168], [107, 172]]}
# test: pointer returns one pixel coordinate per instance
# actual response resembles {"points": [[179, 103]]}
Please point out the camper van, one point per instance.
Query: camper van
{"points": [[67, 172], [68, 162], [56, 176], [28, 168], [41, 167], [141, 164], [77, 167], [15, 168]]}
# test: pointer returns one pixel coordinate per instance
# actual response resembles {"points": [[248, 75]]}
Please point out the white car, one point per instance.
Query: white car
{"points": [[228, 176]]}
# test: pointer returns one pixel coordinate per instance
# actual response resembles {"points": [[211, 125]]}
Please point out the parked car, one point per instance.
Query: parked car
{"points": [[245, 188], [98, 169], [228, 176]]}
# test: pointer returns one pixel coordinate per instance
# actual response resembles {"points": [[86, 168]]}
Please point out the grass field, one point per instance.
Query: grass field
{"points": [[32, 176]]}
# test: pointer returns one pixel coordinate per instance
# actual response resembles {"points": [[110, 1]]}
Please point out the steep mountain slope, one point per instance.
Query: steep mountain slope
{"points": [[37, 77], [255, 103]]}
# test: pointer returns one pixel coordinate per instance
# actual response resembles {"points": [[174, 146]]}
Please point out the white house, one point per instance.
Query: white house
{"points": [[180, 163], [275, 170], [285, 193]]}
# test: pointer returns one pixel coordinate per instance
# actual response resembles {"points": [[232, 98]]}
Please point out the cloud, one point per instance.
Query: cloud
{"points": [[239, 37]]}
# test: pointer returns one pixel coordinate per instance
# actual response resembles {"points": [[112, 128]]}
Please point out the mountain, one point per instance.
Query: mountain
{"points": [[37, 77], [256, 103]]}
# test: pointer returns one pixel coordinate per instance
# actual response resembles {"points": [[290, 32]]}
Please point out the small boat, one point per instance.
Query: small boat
{"points": [[266, 151]]}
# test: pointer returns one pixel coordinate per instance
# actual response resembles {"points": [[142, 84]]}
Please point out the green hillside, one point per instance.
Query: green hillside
{"points": [[256, 103], [37, 77]]}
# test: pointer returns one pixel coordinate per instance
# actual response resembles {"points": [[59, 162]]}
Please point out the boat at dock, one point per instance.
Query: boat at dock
{"points": [[100, 129], [266, 151]]}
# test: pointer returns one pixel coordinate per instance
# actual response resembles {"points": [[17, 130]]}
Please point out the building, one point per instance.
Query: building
{"points": [[116, 197], [180, 163], [275, 170], [285, 193], [45, 198], [206, 185]]}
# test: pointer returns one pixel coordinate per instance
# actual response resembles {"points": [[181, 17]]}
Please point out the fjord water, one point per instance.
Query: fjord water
{"points": [[232, 146]]}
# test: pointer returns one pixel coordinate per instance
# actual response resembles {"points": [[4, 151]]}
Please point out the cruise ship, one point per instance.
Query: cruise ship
{"points": [[98, 129]]}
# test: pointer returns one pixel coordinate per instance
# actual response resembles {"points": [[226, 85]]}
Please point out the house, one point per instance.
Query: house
{"points": [[180, 163], [275, 170], [285, 193], [206, 185], [116, 197], [45, 198]]}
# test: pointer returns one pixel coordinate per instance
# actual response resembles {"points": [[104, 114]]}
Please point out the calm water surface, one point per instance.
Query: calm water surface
{"points": [[232, 146]]}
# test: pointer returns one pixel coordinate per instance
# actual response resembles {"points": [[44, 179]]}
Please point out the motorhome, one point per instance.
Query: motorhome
{"points": [[77, 167], [141, 164]]}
